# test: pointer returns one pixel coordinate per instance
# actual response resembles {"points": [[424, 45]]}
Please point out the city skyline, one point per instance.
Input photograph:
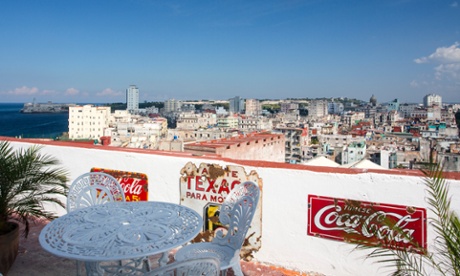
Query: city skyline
{"points": [[92, 51]]}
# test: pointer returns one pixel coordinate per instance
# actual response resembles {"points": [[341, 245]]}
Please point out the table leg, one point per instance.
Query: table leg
{"points": [[164, 259]]}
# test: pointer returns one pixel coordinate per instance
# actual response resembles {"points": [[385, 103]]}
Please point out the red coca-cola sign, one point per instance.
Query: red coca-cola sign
{"points": [[134, 184], [387, 225]]}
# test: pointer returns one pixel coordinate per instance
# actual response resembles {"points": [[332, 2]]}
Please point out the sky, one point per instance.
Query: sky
{"points": [[78, 51]]}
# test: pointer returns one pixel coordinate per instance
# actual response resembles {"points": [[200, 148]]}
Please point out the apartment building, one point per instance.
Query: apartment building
{"points": [[253, 107], [172, 105], [353, 152], [236, 105], [296, 141], [132, 99], [318, 109], [88, 121], [196, 120], [432, 99], [229, 122]]}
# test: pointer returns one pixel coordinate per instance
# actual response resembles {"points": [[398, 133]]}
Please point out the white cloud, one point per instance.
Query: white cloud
{"points": [[48, 92], [443, 55], [454, 4], [448, 60], [72, 91], [108, 92], [24, 91], [451, 70]]}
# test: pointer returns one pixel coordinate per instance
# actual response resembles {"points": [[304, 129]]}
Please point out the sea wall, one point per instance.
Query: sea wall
{"points": [[285, 192]]}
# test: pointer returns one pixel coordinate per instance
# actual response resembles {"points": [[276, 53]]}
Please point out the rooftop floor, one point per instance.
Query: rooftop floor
{"points": [[34, 261]]}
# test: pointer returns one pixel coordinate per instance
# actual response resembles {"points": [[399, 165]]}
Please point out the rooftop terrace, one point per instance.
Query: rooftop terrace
{"points": [[285, 219]]}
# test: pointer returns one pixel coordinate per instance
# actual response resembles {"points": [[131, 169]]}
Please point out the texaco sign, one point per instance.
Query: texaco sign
{"points": [[204, 189]]}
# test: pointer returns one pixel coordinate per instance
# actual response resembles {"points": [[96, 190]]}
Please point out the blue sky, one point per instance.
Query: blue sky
{"points": [[92, 50]]}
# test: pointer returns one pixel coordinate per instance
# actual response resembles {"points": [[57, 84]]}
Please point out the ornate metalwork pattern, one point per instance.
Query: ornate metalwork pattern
{"points": [[236, 212], [93, 188], [120, 230]]}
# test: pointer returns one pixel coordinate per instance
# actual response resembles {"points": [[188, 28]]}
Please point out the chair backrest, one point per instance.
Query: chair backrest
{"points": [[237, 212], [93, 188], [191, 267]]}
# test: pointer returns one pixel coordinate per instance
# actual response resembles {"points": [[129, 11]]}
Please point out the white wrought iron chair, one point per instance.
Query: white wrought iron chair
{"points": [[93, 188], [90, 189], [192, 267], [236, 212]]}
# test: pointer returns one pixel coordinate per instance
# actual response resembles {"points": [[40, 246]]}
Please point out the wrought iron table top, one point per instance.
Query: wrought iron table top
{"points": [[120, 230]]}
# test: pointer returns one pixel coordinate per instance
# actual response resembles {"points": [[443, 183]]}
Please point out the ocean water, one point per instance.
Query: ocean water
{"points": [[39, 125]]}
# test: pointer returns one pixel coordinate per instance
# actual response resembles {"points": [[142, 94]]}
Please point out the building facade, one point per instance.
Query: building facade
{"points": [[132, 99], [172, 105], [432, 99], [236, 105], [253, 107], [88, 121]]}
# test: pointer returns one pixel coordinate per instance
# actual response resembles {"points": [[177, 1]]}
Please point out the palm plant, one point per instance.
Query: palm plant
{"points": [[28, 179], [445, 256]]}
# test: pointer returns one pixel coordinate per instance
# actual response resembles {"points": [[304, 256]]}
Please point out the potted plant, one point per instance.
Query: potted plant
{"points": [[28, 179]]}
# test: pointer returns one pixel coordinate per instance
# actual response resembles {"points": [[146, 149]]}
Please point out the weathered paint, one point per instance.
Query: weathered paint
{"points": [[204, 189], [134, 184]]}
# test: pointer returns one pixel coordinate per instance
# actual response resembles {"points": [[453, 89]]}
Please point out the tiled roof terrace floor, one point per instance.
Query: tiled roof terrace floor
{"points": [[34, 261]]}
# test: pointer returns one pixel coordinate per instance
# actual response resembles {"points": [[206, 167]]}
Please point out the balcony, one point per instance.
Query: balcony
{"points": [[284, 239]]}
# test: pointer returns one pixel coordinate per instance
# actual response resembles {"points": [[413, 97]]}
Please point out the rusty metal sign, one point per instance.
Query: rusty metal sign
{"points": [[135, 185], [386, 225], [204, 189]]}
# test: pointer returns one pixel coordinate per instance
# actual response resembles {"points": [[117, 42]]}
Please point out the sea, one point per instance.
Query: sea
{"points": [[13, 123]]}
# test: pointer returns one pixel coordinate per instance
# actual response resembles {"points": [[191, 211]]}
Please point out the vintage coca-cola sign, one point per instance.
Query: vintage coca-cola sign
{"points": [[387, 225], [134, 184]]}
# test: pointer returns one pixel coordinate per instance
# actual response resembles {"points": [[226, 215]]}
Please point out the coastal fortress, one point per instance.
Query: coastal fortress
{"points": [[48, 107]]}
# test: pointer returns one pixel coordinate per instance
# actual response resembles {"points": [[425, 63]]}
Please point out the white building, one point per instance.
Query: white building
{"points": [[335, 108], [88, 121], [253, 107], [354, 152], [228, 122], [432, 99], [317, 109], [172, 105], [132, 99]]}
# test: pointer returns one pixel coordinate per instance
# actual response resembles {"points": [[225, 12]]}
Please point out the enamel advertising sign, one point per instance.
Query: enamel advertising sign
{"points": [[388, 225], [204, 189], [135, 185]]}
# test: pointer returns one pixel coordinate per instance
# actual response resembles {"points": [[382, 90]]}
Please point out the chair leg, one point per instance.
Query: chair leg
{"points": [[237, 270]]}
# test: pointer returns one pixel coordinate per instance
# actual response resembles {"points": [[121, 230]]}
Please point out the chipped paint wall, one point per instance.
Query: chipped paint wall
{"points": [[284, 206]]}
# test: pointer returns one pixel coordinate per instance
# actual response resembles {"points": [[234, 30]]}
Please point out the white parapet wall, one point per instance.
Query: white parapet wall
{"points": [[286, 189]]}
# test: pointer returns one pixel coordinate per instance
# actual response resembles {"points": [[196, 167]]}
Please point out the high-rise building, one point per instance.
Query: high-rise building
{"points": [[236, 105], [431, 99], [172, 105], [253, 107], [318, 109], [132, 99]]}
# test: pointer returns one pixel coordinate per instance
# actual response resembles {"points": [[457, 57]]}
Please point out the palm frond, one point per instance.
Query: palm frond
{"points": [[445, 258], [28, 180]]}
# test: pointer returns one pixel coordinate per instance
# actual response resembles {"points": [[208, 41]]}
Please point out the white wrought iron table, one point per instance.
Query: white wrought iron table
{"points": [[120, 230]]}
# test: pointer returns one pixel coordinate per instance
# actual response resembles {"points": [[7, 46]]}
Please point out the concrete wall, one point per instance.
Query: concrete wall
{"points": [[284, 204]]}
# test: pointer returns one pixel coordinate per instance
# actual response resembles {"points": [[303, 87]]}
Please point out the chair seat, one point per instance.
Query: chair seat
{"points": [[225, 254]]}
